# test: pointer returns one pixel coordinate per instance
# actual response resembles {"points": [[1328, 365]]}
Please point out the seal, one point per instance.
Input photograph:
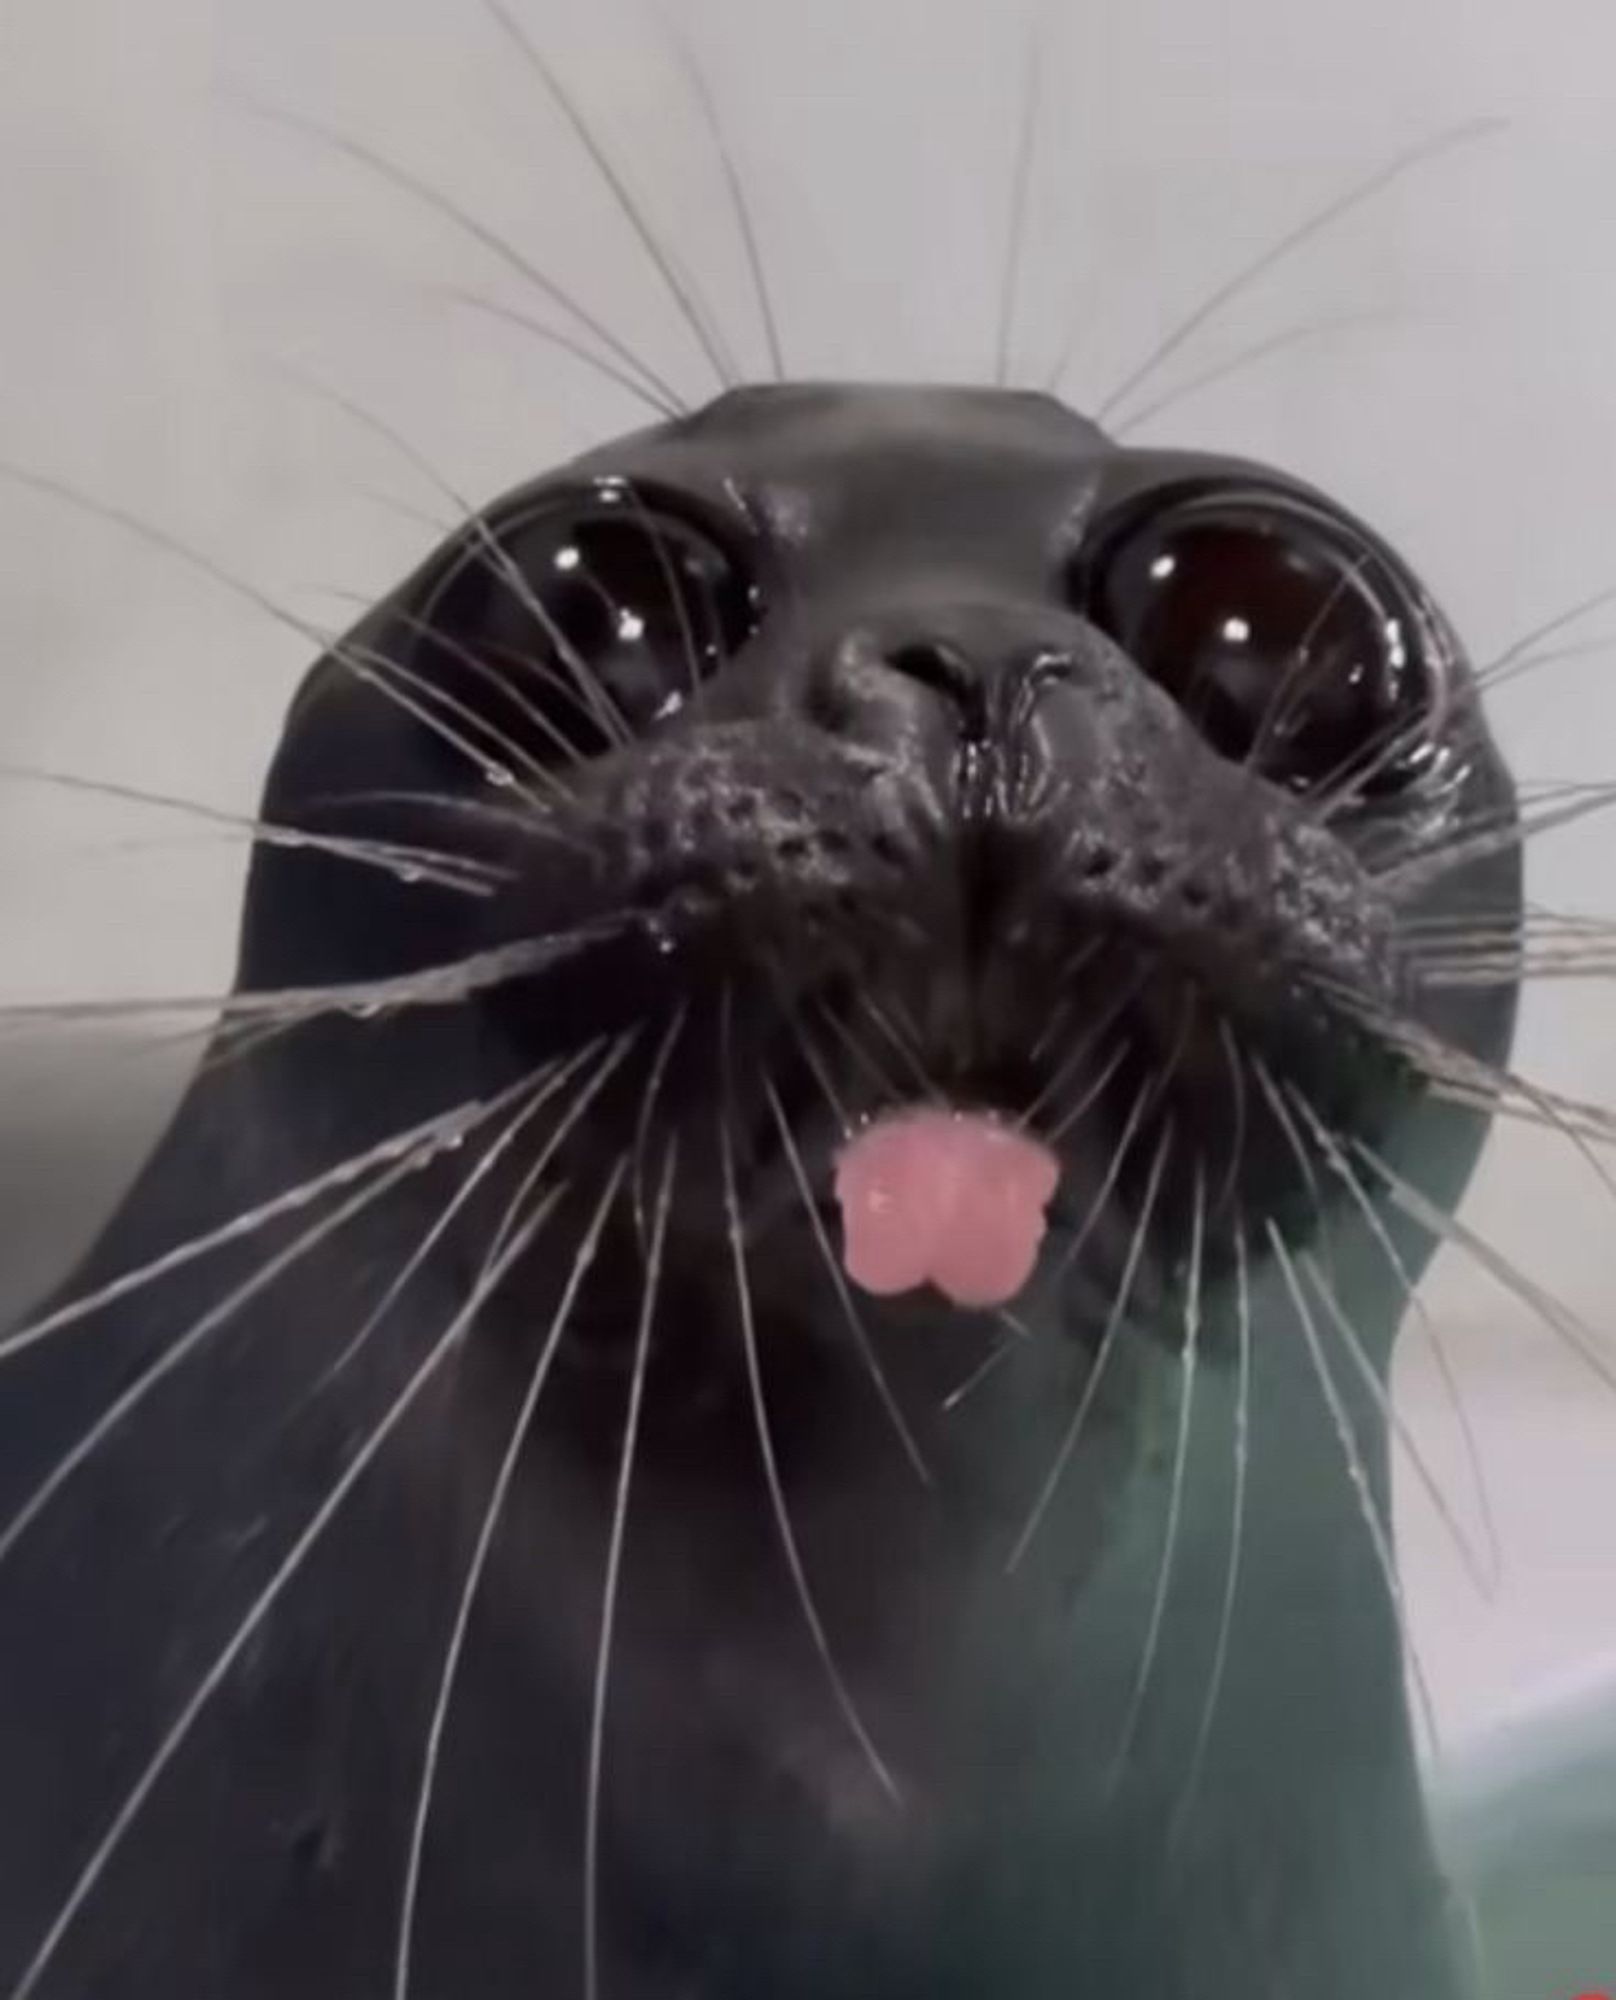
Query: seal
{"points": [[485, 1520]]}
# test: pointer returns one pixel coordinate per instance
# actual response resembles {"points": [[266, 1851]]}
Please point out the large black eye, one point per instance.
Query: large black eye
{"points": [[576, 622], [1281, 631]]}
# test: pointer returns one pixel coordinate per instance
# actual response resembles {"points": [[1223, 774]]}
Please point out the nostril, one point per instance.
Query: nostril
{"points": [[934, 665], [946, 672]]}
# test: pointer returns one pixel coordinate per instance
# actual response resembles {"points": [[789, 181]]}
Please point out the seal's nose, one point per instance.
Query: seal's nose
{"points": [[969, 678]]}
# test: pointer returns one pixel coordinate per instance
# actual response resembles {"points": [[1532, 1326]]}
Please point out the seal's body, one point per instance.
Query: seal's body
{"points": [[825, 752]]}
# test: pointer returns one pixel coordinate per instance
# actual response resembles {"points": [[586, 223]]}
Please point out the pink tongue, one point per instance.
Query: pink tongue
{"points": [[946, 1197]]}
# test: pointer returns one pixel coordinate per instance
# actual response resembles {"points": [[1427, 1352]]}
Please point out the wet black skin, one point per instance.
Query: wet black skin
{"points": [[922, 775]]}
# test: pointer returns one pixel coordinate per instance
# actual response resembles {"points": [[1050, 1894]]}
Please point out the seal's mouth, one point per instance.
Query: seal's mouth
{"points": [[1074, 1117], [954, 1199]]}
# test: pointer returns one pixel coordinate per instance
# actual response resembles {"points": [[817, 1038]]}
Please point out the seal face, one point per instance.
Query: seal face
{"points": [[831, 756]]}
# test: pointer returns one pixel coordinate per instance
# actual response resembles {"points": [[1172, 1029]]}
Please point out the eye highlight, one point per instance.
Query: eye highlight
{"points": [[1289, 639], [580, 620]]}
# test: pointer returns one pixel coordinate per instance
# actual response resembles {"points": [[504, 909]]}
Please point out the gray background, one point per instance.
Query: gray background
{"points": [[166, 257]]}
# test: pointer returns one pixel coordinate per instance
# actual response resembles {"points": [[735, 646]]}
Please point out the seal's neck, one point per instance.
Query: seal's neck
{"points": [[1032, 1764]]}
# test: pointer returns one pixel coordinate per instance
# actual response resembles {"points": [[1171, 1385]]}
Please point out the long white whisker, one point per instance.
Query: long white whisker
{"points": [[1357, 1474], [179, 1730], [557, 1078], [441, 1132], [1293, 239], [679, 285], [1349, 1334], [1581, 1338], [1365, 1369], [1128, 426], [195, 1336], [433, 986], [1237, 1522], [462, 218], [1175, 1503], [1342, 1167], [490, 555], [614, 1565], [1020, 184], [518, 1241], [855, 1321], [372, 669], [739, 205], [408, 863], [555, 336], [782, 1513], [1102, 1356]]}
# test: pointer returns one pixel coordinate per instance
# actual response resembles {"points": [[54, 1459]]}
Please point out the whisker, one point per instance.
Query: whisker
{"points": [[679, 285], [406, 863], [179, 1730], [816, 1064], [1350, 1338], [614, 1565], [1102, 1356], [1020, 185], [771, 1470], [657, 536], [485, 670], [1420, 871], [441, 1132], [1108, 1183], [563, 1075], [367, 666], [1239, 1113], [1549, 629], [740, 207], [1095, 1030], [1304, 232], [174, 1356], [485, 1535], [1237, 1518], [490, 555], [1455, 1072], [1343, 1169], [1238, 363], [535, 1173], [979, 1374], [1393, 1418], [843, 1031], [554, 336], [463, 219], [434, 986], [902, 1047], [1358, 1476], [1581, 1338], [850, 1312], [1175, 1503], [642, 1124]]}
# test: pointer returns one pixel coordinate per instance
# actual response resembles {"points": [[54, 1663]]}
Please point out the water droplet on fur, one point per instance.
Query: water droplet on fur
{"points": [[499, 774], [411, 875]]}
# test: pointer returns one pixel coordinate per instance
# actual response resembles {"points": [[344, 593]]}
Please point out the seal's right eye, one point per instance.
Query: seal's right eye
{"points": [[573, 622]]}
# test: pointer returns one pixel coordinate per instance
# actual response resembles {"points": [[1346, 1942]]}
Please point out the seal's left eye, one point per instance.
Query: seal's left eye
{"points": [[1289, 639], [589, 617]]}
